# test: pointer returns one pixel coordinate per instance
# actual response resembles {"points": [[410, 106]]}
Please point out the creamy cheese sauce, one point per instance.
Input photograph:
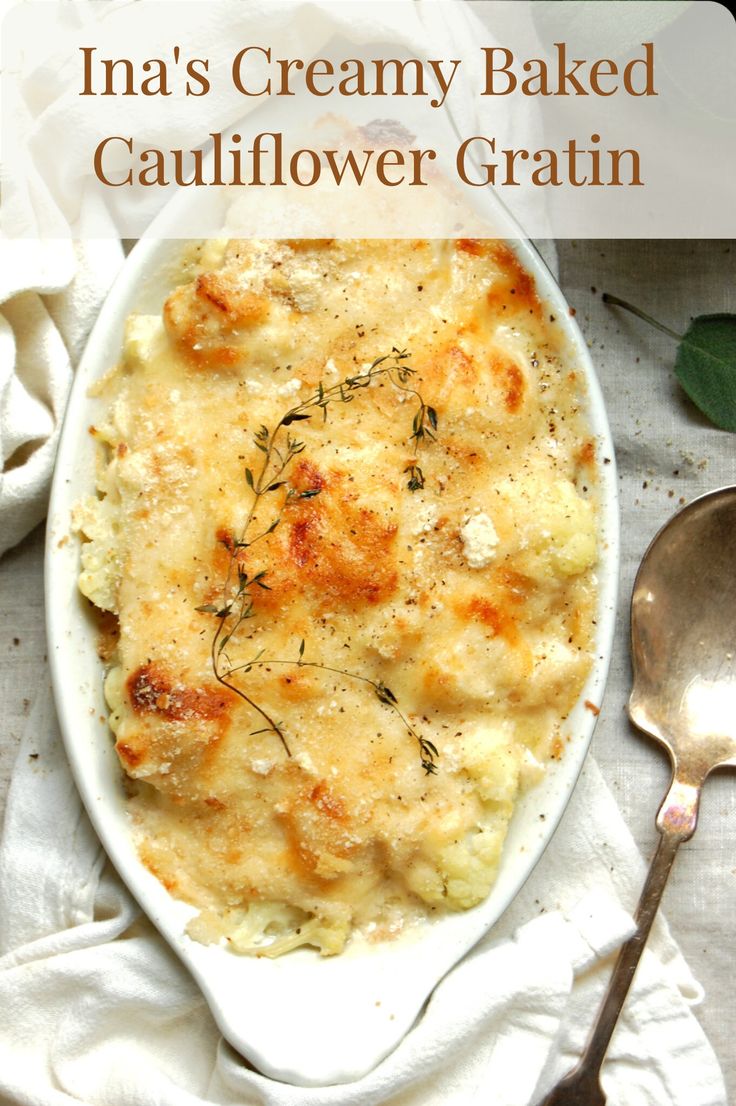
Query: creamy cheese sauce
{"points": [[468, 591]]}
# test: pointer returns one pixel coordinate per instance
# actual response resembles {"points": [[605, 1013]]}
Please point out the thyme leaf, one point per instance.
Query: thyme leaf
{"points": [[416, 477]]}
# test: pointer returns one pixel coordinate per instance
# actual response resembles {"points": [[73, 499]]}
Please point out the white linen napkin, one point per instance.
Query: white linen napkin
{"points": [[98, 1010], [50, 293]]}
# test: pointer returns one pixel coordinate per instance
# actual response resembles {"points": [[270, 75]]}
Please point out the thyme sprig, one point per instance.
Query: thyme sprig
{"points": [[428, 751], [279, 448]]}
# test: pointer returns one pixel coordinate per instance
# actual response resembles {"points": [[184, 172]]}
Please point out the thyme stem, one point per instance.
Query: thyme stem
{"points": [[377, 685], [237, 605], [251, 702]]}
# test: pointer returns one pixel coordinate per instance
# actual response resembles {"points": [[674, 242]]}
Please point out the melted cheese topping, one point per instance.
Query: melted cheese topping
{"points": [[471, 597]]}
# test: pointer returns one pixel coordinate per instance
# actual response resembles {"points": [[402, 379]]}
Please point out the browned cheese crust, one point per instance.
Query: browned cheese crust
{"points": [[471, 598]]}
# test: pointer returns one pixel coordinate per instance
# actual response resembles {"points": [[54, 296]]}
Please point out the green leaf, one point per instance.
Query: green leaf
{"points": [[705, 364], [207, 608], [301, 649], [706, 367], [249, 478]]}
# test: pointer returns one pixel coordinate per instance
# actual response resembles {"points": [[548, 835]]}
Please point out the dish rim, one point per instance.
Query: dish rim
{"points": [[339, 1062]]}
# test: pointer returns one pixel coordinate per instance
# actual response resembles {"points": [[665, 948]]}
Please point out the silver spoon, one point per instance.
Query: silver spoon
{"points": [[683, 645]]}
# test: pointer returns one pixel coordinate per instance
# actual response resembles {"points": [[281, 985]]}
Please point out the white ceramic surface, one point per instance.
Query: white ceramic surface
{"points": [[300, 1019]]}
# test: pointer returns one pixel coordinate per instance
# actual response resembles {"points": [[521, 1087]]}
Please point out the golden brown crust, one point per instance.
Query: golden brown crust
{"points": [[469, 595], [202, 317], [151, 690]]}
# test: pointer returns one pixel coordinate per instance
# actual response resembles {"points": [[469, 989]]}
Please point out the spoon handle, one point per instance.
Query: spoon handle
{"points": [[676, 822]]}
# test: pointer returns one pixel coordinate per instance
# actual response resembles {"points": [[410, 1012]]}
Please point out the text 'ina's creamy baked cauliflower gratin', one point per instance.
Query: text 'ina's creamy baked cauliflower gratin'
{"points": [[344, 523]]}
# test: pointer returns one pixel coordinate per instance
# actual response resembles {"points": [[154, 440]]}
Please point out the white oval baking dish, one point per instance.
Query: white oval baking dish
{"points": [[301, 1019]]}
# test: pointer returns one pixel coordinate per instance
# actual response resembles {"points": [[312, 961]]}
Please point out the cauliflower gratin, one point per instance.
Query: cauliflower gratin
{"points": [[346, 534]]}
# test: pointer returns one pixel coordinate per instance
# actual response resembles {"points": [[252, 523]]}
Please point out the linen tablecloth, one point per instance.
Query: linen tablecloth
{"points": [[666, 453]]}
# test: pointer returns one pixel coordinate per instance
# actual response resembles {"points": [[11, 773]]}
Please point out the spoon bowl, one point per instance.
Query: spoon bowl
{"points": [[683, 636]]}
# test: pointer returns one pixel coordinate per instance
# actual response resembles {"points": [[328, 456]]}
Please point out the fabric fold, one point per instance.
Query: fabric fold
{"points": [[50, 294]]}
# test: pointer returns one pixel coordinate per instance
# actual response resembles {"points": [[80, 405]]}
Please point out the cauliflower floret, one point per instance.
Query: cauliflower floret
{"points": [[424, 879], [270, 929], [557, 666], [571, 523], [471, 867], [554, 526], [492, 758], [98, 520], [465, 863], [115, 696], [143, 334]]}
